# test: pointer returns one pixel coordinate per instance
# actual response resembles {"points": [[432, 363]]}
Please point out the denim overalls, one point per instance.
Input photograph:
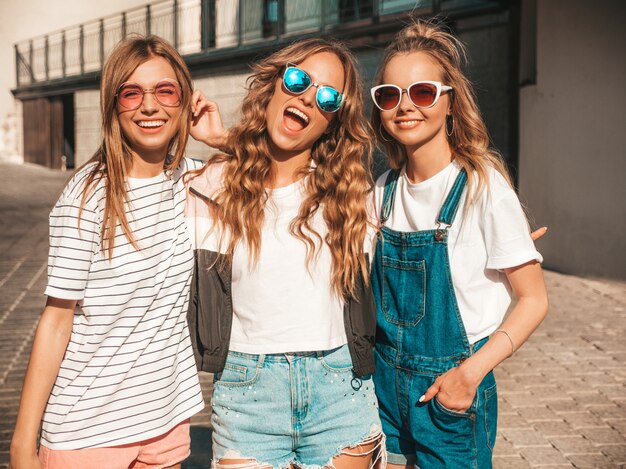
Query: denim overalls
{"points": [[419, 336]]}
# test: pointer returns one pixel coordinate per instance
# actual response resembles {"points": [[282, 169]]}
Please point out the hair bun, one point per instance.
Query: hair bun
{"points": [[431, 35]]}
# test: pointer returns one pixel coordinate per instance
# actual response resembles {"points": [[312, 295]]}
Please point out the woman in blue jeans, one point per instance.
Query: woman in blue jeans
{"points": [[281, 310], [453, 245]]}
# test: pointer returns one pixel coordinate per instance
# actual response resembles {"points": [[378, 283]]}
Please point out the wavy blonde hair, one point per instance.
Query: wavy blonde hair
{"points": [[338, 178], [470, 139], [114, 156]]}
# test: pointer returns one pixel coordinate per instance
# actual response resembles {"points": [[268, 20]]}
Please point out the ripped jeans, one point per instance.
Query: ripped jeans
{"points": [[300, 408]]}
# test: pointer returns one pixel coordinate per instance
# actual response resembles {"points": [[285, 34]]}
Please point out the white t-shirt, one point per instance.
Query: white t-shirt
{"points": [[491, 236], [128, 373], [279, 305]]}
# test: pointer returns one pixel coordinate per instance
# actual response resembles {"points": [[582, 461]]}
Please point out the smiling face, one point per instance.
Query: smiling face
{"points": [[412, 126], [150, 128], [294, 121]]}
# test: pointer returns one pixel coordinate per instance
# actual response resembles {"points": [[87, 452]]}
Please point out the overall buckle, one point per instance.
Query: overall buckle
{"points": [[441, 233]]}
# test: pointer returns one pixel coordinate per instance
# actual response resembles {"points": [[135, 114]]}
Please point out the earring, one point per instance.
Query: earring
{"points": [[382, 135], [450, 128]]}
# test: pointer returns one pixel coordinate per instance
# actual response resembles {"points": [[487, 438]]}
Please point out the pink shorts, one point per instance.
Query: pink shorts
{"points": [[156, 453]]}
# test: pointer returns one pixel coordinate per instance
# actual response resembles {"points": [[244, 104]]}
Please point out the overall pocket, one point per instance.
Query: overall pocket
{"points": [[458, 422], [454, 430], [468, 414], [404, 291]]}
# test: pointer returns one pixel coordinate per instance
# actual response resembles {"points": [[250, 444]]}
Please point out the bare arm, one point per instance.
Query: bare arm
{"points": [[456, 388], [53, 335]]}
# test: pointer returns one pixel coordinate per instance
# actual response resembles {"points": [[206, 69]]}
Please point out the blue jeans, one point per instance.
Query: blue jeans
{"points": [[301, 408]]}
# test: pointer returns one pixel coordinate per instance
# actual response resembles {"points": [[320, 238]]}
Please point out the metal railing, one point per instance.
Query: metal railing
{"points": [[201, 26]]}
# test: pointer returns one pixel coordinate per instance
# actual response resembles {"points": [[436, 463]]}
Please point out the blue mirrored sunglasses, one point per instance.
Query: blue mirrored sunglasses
{"points": [[297, 81]]}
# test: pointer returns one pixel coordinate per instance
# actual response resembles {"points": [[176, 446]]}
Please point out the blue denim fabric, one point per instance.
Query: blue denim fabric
{"points": [[300, 408], [420, 335]]}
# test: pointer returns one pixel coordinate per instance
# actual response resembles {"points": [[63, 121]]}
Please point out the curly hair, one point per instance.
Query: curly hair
{"points": [[338, 177], [469, 140], [114, 157]]}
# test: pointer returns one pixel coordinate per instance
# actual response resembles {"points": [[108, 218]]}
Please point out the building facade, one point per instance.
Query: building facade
{"points": [[529, 60], [20, 21], [572, 161]]}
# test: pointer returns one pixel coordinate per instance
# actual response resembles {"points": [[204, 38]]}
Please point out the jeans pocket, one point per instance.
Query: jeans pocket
{"points": [[237, 372], [337, 360], [404, 291], [491, 415]]}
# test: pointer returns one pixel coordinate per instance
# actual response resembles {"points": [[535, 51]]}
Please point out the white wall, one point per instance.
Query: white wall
{"points": [[20, 20], [572, 152]]}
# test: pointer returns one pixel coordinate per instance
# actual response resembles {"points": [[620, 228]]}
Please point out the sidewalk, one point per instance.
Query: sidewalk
{"points": [[562, 396]]}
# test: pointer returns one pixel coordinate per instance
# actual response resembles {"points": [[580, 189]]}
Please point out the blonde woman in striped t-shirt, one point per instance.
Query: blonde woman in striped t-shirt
{"points": [[112, 377]]}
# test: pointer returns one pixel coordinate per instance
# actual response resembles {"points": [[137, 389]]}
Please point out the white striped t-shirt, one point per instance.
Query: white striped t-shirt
{"points": [[128, 373]]}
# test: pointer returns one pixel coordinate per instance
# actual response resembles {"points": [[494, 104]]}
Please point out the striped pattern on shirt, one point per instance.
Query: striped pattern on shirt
{"points": [[128, 373]]}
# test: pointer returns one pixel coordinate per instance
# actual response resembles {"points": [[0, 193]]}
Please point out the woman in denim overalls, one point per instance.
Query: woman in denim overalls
{"points": [[453, 244]]}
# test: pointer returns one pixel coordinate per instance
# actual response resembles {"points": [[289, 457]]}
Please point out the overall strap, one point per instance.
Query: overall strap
{"points": [[390, 195], [451, 205]]}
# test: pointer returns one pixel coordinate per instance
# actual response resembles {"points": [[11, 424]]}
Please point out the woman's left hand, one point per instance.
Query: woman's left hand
{"points": [[455, 389]]}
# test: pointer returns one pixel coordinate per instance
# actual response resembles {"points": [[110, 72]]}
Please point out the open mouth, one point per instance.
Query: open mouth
{"points": [[294, 119], [151, 124]]}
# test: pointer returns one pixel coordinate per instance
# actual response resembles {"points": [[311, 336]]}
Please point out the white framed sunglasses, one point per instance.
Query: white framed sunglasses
{"points": [[423, 94]]}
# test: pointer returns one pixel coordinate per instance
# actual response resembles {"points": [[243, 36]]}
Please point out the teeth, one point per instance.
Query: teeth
{"points": [[150, 123], [408, 123], [298, 113]]}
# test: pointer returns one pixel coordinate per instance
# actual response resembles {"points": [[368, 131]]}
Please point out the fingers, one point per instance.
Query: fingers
{"points": [[195, 97], [431, 391], [535, 235], [200, 103]]}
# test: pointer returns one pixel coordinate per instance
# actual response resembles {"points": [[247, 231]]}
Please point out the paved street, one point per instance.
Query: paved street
{"points": [[562, 396]]}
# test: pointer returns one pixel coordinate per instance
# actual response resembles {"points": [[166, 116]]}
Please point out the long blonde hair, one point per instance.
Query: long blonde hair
{"points": [[469, 140], [338, 179], [114, 158]]}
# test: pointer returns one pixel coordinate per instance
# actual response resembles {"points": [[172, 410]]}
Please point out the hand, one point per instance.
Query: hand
{"points": [[21, 459], [535, 235], [455, 389], [206, 122]]}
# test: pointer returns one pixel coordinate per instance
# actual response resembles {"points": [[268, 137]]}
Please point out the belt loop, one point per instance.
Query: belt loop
{"points": [[260, 361]]}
